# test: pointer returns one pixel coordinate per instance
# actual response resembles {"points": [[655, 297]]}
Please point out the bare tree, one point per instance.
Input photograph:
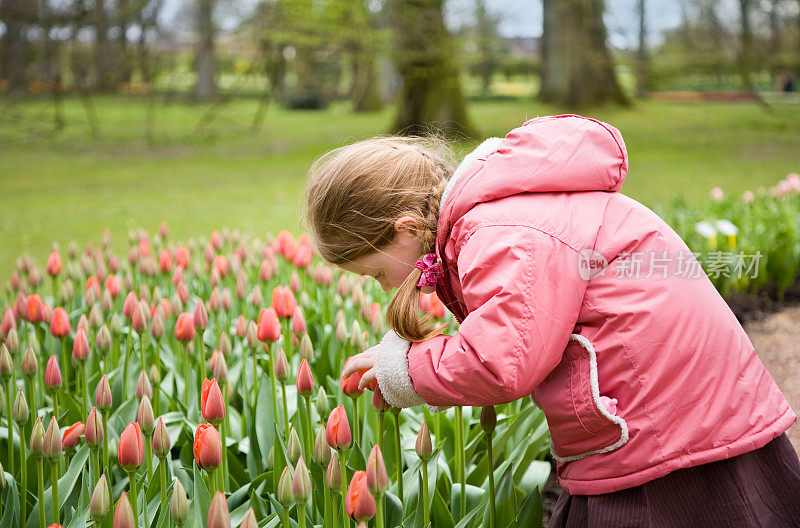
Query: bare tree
{"points": [[642, 63], [745, 45], [205, 87], [431, 95], [17, 15], [577, 69], [102, 52]]}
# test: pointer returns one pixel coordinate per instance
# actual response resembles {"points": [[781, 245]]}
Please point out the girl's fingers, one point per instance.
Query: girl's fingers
{"points": [[358, 362], [366, 379]]}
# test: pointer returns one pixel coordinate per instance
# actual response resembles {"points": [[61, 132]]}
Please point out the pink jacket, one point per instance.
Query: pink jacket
{"points": [[583, 298]]}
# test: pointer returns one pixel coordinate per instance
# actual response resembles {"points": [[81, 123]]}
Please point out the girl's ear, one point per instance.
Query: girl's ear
{"points": [[409, 223]]}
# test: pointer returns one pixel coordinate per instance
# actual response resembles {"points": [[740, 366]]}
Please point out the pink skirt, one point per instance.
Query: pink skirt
{"points": [[757, 489]]}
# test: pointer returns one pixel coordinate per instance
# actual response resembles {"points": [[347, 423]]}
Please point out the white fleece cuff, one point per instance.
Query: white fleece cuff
{"points": [[391, 371]]}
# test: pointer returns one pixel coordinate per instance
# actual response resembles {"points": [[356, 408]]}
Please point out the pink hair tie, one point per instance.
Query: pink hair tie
{"points": [[431, 270]]}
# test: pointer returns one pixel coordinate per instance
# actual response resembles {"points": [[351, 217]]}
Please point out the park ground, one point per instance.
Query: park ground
{"points": [[205, 168]]}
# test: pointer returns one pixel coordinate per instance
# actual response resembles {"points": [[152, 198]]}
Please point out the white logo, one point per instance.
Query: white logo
{"points": [[591, 264]]}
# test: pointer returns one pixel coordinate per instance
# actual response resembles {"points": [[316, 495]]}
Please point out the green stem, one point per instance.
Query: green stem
{"points": [[141, 351], [492, 506], [325, 505], [285, 412], [106, 466], [55, 404], [426, 515], [224, 431], [85, 381], [381, 416], [334, 516], [356, 428], [54, 486], [95, 464], [301, 515], [23, 491], [125, 364], [379, 511], [186, 368], [270, 361], [399, 455], [212, 482], [286, 518], [309, 437], [343, 468], [10, 437], [40, 496], [148, 459], [462, 470], [132, 484], [162, 470], [201, 350], [255, 373]]}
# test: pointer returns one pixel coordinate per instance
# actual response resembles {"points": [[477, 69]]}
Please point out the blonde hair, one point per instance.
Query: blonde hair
{"points": [[354, 195]]}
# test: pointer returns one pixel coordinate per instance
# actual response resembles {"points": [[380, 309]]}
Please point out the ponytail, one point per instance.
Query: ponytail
{"points": [[403, 312]]}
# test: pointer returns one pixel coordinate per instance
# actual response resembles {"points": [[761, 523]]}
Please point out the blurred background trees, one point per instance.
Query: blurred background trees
{"points": [[427, 58]]}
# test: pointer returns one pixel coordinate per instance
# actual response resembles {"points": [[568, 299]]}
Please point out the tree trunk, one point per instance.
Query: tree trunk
{"points": [[14, 14], [431, 95], [123, 7], [642, 65], [746, 44], [102, 53], [577, 67], [205, 87]]}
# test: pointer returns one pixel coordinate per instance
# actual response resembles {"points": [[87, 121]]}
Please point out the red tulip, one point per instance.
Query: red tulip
{"points": [[129, 305], [72, 435], [123, 513], [9, 322], [298, 321], [139, 320], [269, 328], [218, 514], [34, 309], [286, 244], [113, 285], [92, 289], [164, 261], [212, 404], [131, 447], [184, 327], [52, 374], [305, 379], [302, 257], [377, 479], [337, 432], [350, 383], [378, 401], [200, 315], [182, 257], [80, 348], [359, 503], [59, 323], [207, 446], [54, 264], [283, 301]]}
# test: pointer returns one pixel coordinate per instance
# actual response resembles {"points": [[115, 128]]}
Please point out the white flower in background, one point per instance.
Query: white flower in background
{"points": [[706, 229], [727, 228]]}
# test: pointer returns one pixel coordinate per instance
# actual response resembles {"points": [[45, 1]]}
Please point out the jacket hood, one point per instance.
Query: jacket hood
{"points": [[546, 154]]}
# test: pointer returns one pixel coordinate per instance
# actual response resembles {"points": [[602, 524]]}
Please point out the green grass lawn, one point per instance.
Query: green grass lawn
{"points": [[69, 186]]}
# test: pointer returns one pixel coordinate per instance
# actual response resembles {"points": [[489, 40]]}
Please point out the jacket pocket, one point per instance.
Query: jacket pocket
{"points": [[580, 423]]}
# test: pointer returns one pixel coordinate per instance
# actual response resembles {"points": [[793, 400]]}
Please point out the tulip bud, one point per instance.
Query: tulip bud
{"points": [[94, 432], [161, 441], [103, 339], [281, 366], [220, 369], [212, 404], [359, 502], [224, 344], [179, 505], [115, 325], [20, 411], [218, 514], [256, 297], [249, 520], [350, 384], [207, 446], [184, 328], [100, 501], [200, 316], [52, 441], [241, 327], [95, 317], [29, 363], [301, 484], [80, 349], [102, 397], [377, 479], [337, 432], [154, 375], [269, 327], [306, 348], [12, 341], [59, 323], [423, 446], [293, 448], [252, 334], [123, 513], [341, 331], [131, 447], [488, 419], [333, 475], [322, 451], [305, 380], [6, 363], [378, 401], [37, 439], [157, 326], [9, 322], [33, 342], [143, 386], [355, 336], [284, 494], [321, 402], [145, 416]]}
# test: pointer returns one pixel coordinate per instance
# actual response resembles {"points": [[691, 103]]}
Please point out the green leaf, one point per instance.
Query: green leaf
{"points": [[530, 512], [394, 510], [440, 514], [505, 500], [474, 515], [66, 484], [11, 504], [201, 500]]}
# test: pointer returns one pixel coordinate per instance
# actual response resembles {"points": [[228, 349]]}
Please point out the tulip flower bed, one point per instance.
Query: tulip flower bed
{"points": [[198, 385]]}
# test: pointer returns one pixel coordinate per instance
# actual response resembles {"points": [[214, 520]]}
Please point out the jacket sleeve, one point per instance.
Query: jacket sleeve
{"points": [[523, 293]]}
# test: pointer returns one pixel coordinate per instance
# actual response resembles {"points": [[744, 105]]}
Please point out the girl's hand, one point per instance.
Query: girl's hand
{"points": [[363, 362]]}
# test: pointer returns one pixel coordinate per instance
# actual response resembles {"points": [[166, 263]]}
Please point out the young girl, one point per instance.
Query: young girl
{"points": [[660, 412]]}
